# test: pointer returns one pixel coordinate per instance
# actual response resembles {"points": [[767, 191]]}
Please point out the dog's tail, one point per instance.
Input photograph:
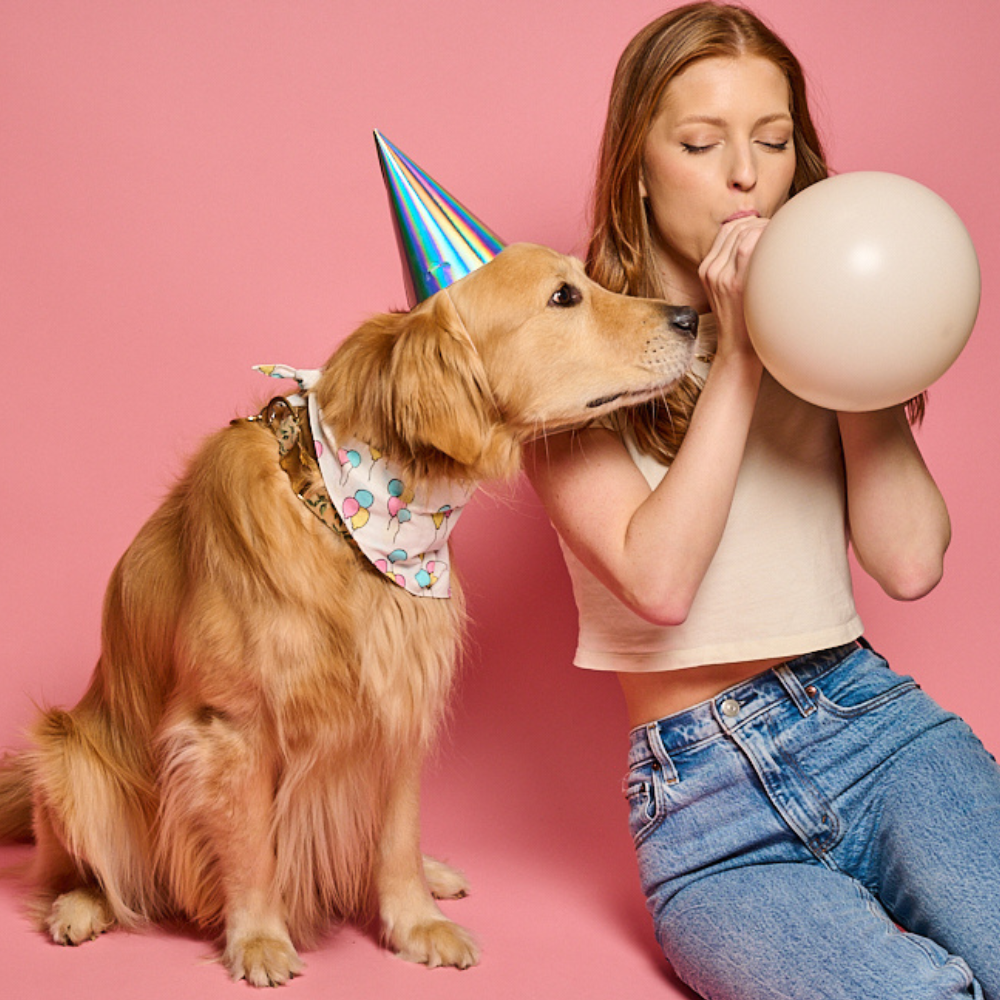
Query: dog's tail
{"points": [[15, 798]]}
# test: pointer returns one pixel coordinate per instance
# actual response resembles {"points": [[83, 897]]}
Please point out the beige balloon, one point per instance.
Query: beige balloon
{"points": [[862, 291]]}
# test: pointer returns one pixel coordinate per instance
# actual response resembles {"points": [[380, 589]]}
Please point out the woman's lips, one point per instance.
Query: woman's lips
{"points": [[746, 213]]}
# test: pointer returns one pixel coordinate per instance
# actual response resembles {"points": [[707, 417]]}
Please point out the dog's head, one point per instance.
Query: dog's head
{"points": [[525, 345]]}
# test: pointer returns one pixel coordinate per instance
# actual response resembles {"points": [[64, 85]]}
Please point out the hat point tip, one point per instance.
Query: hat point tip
{"points": [[440, 241]]}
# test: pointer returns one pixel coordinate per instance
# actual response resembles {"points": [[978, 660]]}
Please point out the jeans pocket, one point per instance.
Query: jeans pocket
{"points": [[645, 798], [863, 683]]}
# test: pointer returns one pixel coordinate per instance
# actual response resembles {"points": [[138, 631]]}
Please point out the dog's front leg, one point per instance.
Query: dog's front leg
{"points": [[218, 787], [413, 925], [258, 948]]}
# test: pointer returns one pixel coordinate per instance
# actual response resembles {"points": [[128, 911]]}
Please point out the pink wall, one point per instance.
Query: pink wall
{"points": [[190, 187]]}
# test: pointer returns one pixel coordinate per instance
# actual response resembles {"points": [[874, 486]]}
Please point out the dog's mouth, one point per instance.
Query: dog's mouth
{"points": [[634, 397], [604, 400], [554, 424], [669, 361], [579, 413]]}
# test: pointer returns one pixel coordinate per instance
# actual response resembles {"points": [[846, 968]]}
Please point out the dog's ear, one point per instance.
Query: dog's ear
{"points": [[442, 398], [414, 384]]}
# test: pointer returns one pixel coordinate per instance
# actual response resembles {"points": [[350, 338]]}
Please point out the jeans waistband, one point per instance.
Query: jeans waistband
{"points": [[736, 705]]}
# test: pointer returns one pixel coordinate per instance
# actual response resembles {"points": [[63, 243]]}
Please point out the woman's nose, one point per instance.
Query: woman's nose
{"points": [[742, 170]]}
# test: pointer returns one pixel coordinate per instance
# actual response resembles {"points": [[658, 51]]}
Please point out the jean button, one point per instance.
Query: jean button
{"points": [[730, 708]]}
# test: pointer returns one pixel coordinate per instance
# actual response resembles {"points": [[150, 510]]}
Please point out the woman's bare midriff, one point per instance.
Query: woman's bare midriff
{"points": [[655, 695]]}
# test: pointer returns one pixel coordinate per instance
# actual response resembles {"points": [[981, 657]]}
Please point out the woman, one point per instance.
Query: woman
{"points": [[808, 824]]}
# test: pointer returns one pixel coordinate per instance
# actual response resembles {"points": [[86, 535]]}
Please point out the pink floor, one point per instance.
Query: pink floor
{"points": [[544, 932]]}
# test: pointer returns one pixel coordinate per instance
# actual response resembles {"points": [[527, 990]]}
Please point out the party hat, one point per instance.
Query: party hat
{"points": [[439, 239]]}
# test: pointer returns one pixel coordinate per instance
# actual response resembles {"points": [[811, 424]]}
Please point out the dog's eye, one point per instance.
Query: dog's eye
{"points": [[566, 295]]}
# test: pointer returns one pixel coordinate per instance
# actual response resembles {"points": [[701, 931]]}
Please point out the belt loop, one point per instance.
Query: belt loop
{"points": [[666, 765], [803, 702]]}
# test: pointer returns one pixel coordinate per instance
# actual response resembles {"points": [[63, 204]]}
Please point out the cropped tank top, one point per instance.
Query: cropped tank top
{"points": [[779, 584]]}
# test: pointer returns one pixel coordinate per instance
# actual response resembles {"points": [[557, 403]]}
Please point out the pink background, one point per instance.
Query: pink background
{"points": [[190, 187]]}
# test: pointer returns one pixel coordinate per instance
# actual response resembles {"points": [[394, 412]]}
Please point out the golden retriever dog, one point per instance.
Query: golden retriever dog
{"points": [[248, 753]]}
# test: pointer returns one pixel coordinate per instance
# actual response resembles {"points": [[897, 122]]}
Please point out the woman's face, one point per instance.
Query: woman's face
{"points": [[719, 147]]}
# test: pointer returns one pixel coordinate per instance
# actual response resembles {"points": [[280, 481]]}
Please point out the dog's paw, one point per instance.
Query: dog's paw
{"points": [[262, 960], [444, 881], [78, 916], [437, 942]]}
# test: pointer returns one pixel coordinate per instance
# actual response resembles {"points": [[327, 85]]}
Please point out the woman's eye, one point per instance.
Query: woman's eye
{"points": [[566, 295], [690, 147], [778, 147]]}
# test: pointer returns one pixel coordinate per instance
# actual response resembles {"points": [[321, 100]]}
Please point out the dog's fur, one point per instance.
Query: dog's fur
{"points": [[248, 753]]}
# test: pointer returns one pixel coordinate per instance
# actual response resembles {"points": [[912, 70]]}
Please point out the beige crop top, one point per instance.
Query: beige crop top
{"points": [[779, 584]]}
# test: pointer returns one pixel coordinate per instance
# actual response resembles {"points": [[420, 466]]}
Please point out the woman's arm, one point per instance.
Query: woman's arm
{"points": [[899, 523], [653, 548]]}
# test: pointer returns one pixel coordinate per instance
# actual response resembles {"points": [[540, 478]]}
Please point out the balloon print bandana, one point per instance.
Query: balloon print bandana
{"points": [[402, 533]]}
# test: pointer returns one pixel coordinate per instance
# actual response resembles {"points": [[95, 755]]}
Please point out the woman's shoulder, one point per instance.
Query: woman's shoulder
{"points": [[575, 467], [600, 441]]}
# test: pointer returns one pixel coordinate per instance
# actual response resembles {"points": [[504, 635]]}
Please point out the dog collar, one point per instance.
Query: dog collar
{"points": [[402, 532]]}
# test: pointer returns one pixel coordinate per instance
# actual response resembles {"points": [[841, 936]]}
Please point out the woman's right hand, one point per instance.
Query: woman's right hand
{"points": [[723, 274]]}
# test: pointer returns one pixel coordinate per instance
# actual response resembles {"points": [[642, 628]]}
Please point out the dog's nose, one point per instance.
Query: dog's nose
{"points": [[684, 320]]}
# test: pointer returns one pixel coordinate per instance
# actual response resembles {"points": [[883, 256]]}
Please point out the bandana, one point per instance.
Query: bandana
{"points": [[404, 534]]}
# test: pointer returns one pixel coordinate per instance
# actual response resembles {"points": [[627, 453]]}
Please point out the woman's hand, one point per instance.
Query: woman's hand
{"points": [[723, 273]]}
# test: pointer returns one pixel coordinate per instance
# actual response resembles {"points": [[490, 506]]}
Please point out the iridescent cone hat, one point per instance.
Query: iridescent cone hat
{"points": [[439, 239]]}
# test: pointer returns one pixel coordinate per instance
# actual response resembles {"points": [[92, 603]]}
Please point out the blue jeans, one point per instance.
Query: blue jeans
{"points": [[823, 830]]}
